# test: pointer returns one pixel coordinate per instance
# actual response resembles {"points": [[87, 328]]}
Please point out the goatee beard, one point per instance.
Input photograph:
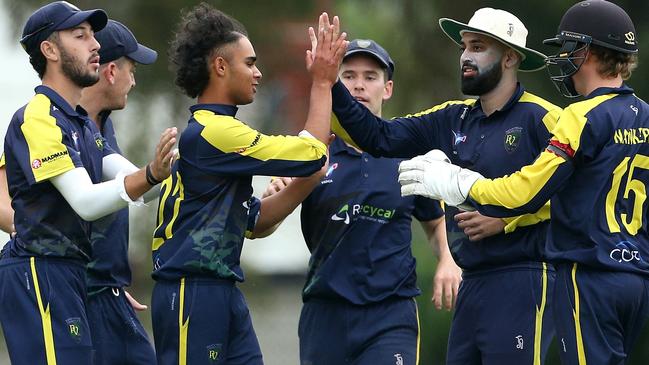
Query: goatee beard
{"points": [[484, 81]]}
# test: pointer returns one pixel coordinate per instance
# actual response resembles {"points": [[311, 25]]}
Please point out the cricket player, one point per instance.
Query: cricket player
{"points": [[358, 297], [206, 206], [117, 335]]}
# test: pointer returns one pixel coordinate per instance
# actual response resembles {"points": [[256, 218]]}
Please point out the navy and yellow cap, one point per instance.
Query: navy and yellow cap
{"points": [[55, 16], [373, 49], [117, 41]]}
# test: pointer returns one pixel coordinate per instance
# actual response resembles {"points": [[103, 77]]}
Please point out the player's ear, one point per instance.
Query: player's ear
{"points": [[50, 50], [110, 71], [219, 65], [511, 58], [387, 90]]}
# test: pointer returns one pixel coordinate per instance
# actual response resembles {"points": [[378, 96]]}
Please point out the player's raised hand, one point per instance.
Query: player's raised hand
{"points": [[328, 47], [164, 155]]}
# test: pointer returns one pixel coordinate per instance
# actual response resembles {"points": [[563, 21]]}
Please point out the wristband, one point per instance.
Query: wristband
{"points": [[149, 176]]}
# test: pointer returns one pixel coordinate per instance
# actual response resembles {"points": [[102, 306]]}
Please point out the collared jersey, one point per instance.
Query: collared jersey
{"points": [[358, 229], [109, 235], [206, 205], [596, 169], [493, 145], [46, 138]]}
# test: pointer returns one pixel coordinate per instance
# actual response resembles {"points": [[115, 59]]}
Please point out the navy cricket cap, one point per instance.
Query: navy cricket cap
{"points": [[368, 46], [55, 16], [117, 41]]}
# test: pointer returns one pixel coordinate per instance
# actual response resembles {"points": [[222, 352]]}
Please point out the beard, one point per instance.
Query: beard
{"points": [[74, 69], [484, 81]]}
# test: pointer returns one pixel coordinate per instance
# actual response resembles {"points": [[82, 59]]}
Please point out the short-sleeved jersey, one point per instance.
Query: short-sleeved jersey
{"points": [[596, 169], [46, 138], [206, 205], [358, 229], [109, 235], [493, 145]]}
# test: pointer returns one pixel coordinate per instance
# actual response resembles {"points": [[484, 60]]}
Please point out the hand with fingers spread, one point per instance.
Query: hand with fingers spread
{"points": [[477, 226], [328, 46], [160, 168]]}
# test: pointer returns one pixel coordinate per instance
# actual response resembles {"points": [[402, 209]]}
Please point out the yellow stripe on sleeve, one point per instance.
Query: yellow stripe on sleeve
{"points": [[2, 160], [468, 102], [521, 187], [540, 310], [46, 319], [48, 155], [183, 326], [340, 132], [525, 220], [230, 135]]}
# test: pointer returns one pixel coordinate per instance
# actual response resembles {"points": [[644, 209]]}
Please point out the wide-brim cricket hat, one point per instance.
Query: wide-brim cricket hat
{"points": [[501, 25]]}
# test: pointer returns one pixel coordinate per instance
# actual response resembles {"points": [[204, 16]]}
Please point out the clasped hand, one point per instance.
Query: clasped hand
{"points": [[433, 176]]}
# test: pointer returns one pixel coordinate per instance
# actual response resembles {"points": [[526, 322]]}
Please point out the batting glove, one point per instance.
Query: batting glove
{"points": [[433, 176]]}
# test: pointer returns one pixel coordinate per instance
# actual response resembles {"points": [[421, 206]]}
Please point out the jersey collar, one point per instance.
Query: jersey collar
{"points": [[220, 109], [624, 89], [60, 102], [510, 103]]}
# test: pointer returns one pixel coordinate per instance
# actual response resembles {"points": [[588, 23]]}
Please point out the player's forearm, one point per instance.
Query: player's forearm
{"points": [[523, 192], [318, 121], [275, 208], [90, 201]]}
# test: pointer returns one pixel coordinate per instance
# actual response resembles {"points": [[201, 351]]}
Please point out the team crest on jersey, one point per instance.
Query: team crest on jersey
{"points": [[213, 352], [512, 138], [74, 328], [458, 138], [99, 141]]}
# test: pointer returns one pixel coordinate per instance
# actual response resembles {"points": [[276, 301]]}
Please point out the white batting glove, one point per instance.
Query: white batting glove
{"points": [[433, 176]]}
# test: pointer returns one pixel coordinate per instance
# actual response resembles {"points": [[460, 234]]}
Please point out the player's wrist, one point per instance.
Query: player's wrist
{"points": [[151, 179]]}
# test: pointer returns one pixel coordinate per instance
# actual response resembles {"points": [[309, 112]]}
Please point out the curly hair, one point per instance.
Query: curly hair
{"points": [[613, 63], [202, 33]]}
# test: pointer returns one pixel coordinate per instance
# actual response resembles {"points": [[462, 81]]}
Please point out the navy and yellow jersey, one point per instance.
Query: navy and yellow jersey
{"points": [[493, 145], [46, 138], [358, 229], [596, 169], [206, 205], [109, 236]]}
